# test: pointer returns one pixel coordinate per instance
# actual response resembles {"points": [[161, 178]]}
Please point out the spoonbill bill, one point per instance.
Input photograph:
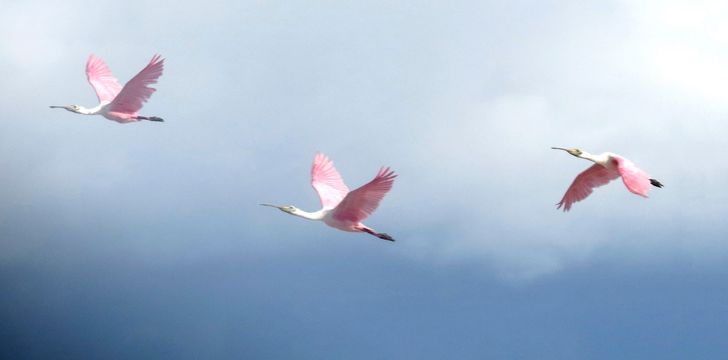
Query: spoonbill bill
{"points": [[117, 103], [341, 208], [607, 167]]}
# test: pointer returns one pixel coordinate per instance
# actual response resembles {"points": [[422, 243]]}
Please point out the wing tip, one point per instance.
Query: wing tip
{"points": [[565, 207], [320, 160], [158, 59], [92, 62], [386, 172]]}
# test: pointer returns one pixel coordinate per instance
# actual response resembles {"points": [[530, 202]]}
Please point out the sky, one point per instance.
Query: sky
{"points": [[146, 240]]}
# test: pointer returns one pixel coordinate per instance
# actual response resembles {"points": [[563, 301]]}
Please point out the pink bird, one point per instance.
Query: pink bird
{"points": [[117, 103], [607, 167], [344, 209]]}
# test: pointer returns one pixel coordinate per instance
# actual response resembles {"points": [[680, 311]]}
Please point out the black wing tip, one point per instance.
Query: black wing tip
{"points": [[656, 183]]}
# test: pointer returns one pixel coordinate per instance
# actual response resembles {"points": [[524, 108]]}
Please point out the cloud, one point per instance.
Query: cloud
{"points": [[34, 36], [463, 102], [682, 45]]}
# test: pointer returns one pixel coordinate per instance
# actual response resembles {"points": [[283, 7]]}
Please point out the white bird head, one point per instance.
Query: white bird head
{"points": [[576, 152], [285, 208], [72, 108]]}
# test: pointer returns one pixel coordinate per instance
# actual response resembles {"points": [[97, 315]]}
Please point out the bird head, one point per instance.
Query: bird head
{"points": [[285, 208], [574, 151], [72, 108]]}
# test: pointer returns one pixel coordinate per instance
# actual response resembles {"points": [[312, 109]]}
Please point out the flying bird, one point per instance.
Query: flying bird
{"points": [[117, 103], [343, 209], [607, 167]]}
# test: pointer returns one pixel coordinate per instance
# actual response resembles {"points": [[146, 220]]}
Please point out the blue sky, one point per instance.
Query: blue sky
{"points": [[146, 240]]}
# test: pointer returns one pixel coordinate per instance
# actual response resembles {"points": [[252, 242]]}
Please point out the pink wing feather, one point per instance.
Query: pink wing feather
{"points": [[327, 182], [635, 179], [101, 79], [593, 177], [137, 91], [360, 203]]}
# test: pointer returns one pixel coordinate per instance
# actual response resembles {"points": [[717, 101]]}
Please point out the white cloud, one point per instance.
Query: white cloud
{"points": [[463, 104], [684, 47], [35, 35]]}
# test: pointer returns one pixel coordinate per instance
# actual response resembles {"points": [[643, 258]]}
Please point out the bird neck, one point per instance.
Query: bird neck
{"points": [[602, 159], [317, 215], [91, 111]]}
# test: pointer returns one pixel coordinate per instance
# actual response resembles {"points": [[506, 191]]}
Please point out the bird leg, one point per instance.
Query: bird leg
{"points": [[150, 118], [385, 236], [382, 236]]}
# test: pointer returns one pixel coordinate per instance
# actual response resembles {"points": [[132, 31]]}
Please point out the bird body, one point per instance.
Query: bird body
{"points": [[117, 103], [343, 209], [607, 167], [327, 216]]}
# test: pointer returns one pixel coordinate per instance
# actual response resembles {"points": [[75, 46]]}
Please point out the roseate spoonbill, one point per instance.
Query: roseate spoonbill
{"points": [[344, 209], [607, 167], [117, 103]]}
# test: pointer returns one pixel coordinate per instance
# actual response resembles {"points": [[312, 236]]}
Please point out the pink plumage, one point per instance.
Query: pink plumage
{"points": [[607, 167], [137, 91], [360, 203], [327, 182], [343, 209], [635, 179], [584, 183], [101, 79], [117, 103]]}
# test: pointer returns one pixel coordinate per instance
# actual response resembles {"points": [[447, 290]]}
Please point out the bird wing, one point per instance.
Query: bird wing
{"points": [[584, 183], [635, 179], [360, 203], [327, 182], [137, 91], [101, 79]]}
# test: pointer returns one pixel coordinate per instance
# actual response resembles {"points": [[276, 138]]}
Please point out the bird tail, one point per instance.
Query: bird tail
{"points": [[656, 183]]}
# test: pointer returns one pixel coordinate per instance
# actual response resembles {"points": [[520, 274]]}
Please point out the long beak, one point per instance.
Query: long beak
{"points": [[275, 206], [57, 107], [559, 148]]}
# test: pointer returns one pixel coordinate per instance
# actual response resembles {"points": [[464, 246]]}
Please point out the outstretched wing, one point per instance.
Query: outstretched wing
{"points": [[327, 182], [636, 180], [101, 79], [137, 91], [360, 203], [593, 177]]}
